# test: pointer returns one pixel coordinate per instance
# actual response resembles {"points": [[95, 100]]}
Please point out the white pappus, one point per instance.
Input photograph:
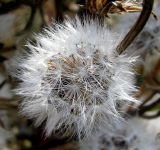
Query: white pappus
{"points": [[73, 78], [136, 134]]}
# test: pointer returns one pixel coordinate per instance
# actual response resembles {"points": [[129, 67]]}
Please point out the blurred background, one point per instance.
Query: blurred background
{"points": [[20, 19]]}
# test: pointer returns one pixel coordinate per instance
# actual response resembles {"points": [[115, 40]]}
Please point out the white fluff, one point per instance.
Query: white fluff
{"points": [[136, 134], [72, 78]]}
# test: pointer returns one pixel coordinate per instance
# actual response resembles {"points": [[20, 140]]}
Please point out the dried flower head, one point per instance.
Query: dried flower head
{"points": [[103, 7], [136, 134], [72, 78]]}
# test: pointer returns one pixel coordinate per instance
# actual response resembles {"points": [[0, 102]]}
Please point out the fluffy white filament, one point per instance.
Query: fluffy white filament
{"points": [[136, 134], [72, 78]]}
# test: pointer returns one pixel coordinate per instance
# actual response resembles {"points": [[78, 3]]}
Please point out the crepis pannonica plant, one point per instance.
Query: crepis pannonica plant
{"points": [[76, 76]]}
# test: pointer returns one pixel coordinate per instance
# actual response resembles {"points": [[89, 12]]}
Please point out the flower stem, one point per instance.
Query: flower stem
{"points": [[137, 28]]}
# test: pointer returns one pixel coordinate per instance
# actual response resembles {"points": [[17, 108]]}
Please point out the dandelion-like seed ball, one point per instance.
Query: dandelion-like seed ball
{"points": [[136, 134], [73, 78]]}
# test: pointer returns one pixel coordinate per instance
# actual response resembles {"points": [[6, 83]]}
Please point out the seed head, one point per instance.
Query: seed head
{"points": [[72, 78], [135, 134]]}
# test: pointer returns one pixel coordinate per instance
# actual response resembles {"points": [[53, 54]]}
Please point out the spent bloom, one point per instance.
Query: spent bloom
{"points": [[73, 78], [136, 134]]}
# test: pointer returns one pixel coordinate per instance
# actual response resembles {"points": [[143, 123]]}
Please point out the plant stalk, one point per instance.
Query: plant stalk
{"points": [[137, 28]]}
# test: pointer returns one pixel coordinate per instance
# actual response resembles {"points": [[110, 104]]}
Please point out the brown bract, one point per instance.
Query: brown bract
{"points": [[103, 7]]}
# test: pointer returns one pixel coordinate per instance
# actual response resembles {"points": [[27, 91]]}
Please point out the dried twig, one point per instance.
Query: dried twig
{"points": [[8, 104], [145, 108]]}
